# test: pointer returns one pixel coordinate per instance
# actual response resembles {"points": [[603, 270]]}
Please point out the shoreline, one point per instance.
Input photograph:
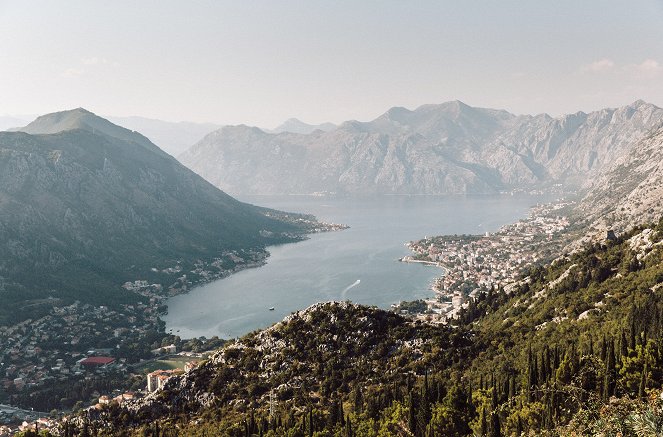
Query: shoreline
{"points": [[260, 259], [490, 261]]}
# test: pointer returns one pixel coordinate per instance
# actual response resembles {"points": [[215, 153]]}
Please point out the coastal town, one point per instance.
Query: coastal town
{"points": [[92, 355], [85, 352], [474, 264]]}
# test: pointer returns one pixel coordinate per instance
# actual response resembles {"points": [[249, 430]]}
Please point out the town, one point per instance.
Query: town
{"points": [[88, 354], [474, 264], [80, 356]]}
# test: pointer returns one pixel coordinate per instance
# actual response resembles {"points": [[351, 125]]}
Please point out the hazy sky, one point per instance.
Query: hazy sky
{"points": [[260, 62]]}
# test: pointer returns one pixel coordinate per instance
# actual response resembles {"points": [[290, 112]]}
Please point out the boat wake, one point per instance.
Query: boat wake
{"points": [[345, 292]]}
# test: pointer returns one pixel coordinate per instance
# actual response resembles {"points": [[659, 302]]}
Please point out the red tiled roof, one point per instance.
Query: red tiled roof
{"points": [[97, 361]]}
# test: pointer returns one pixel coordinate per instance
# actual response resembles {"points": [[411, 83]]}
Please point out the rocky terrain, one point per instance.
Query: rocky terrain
{"points": [[630, 191], [449, 148]]}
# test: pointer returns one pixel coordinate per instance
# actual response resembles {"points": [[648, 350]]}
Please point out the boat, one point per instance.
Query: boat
{"points": [[271, 308]]}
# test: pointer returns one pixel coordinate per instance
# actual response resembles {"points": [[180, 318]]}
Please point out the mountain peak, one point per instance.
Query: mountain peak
{"points": [[294, 125], [78, 118], [641, 104], [81, 118]]}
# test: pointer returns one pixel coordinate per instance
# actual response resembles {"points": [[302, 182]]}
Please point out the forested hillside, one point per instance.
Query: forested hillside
{"points": [[575, 349]]}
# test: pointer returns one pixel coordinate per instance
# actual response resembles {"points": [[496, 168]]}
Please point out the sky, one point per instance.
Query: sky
{"points": [[262, 62]]}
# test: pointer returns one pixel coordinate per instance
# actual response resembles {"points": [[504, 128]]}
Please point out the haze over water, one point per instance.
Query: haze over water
{"points": [[359, 264]]}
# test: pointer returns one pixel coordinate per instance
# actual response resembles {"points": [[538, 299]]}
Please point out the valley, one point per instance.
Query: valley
{"points": [[495, 257]]}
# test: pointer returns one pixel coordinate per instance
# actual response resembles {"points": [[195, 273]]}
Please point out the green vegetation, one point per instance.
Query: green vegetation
{"points": [[413, 306], [575, 349]]}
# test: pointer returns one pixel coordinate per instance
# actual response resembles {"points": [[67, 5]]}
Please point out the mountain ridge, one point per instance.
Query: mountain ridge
{"points": [[296, 126], [448, 148]]}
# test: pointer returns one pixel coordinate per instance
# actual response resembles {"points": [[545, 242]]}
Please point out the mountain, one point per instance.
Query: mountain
{"points": [[296, 126], [82, 119], [434, 149], [173, 138], [572, 349], [86, 205], [630, 190]]}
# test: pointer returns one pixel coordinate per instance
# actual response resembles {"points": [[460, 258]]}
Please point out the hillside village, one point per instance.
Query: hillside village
{"points": [[96, 358], [474, 264]]}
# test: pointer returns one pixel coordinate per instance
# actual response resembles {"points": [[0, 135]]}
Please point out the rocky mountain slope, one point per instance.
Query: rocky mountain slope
{"points": [[86, 205], [630, 191], [434, 149]]}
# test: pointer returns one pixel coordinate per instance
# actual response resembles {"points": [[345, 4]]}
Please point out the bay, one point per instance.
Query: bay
{"points": [[359, 264]]}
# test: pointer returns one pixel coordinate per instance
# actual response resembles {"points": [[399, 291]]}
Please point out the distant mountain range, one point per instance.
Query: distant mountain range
{"points": [[296, 126], [451, 148], [173, 137], [86, 205]]}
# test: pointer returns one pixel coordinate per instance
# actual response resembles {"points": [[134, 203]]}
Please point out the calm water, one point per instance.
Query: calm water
{"points": [[359, 264]]}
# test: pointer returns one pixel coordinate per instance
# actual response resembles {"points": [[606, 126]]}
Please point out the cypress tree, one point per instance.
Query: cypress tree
{"points": [[494, 416], [333, 413], [533, 380], [623, 350], [556, 357], [358, 399], [469, 394], [512, 389], [530, 382], [310, 423], [252, 423], [609, 380], [643, 383], [412, 422], [423, 412], [604, 351], [633, 335], [484, 425]]}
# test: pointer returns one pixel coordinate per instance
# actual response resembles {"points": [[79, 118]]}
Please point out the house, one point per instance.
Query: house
{"points": [[190, 365], [120, 399], [96, 362], [170, 349], [158, 378]]}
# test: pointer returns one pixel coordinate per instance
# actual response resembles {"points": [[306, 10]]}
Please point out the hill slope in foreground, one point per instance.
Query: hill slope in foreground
{"points": [[86, 205], [574, 349]]}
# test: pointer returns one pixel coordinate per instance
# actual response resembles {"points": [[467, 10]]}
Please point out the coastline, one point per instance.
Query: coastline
{"points": [[475, 264], [210, 271]]}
